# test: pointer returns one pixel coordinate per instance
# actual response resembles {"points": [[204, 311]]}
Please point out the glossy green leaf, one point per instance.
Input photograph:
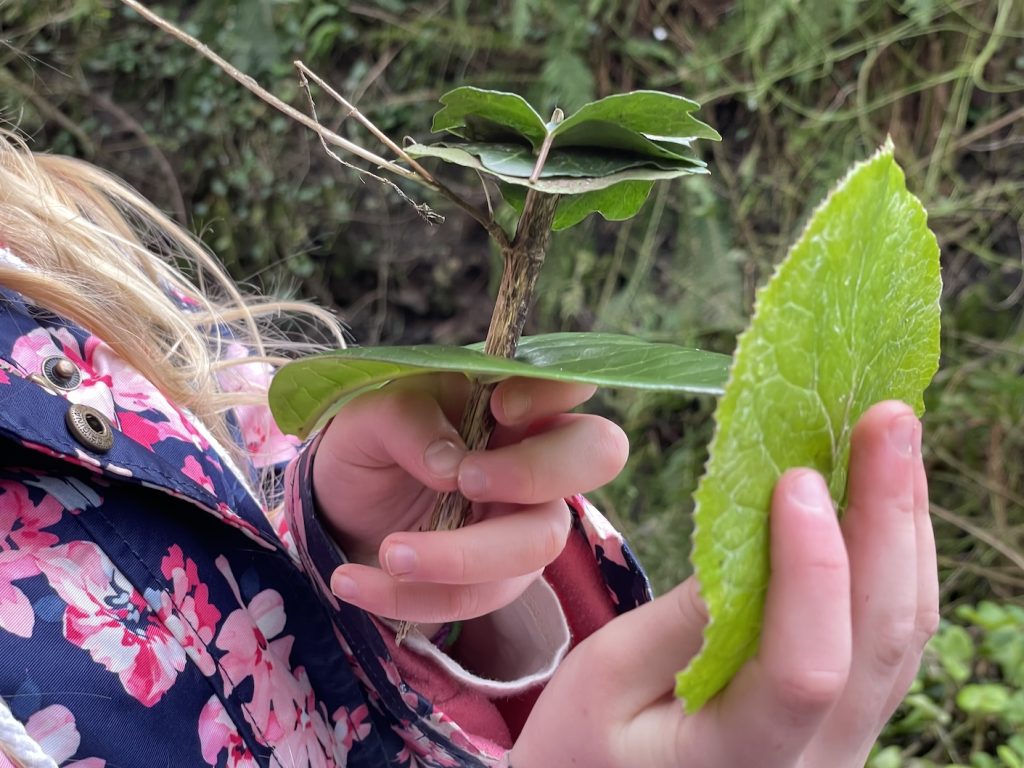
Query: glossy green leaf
{"points": [[646, 112], [614, 203], [609, 136], [494, 108], [851, 317], [306, 392], [578, 175]]}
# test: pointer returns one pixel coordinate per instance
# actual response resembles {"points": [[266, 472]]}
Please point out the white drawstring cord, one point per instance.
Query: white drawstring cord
{"points": [[17, 745]]}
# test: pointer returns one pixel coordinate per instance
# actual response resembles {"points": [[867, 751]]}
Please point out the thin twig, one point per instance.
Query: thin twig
{"points": [[424, 210], [487, 222], [363, 120], [1011, 554], [250, 83]]}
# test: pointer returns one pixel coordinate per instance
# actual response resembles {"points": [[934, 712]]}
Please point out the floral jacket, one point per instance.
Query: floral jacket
{"points": [[153, 614]]}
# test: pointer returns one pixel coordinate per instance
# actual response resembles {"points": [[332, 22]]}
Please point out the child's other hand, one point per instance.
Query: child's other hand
{"points": [[849, 609], [379, 467]]}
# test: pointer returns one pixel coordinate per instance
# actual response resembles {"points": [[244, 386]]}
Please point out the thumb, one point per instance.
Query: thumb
{"points": [[402, 427], [662, 636]]}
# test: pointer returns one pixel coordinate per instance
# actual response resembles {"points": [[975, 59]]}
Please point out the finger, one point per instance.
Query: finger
{"points": [[879, 528], [661, 637], [773, 707], [423, 603], [399, 426], [521, 400], [503, 547], [580, 453], [927, 622]]}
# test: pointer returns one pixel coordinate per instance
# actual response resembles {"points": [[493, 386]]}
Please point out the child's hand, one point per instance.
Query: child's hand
{"points": [[380, 465], [849, 610]]}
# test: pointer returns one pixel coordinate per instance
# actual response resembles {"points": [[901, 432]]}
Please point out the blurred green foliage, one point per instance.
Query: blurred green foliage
{"points": [[798, 90]]}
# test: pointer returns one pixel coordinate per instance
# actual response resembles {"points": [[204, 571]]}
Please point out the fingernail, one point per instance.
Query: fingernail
{"points": [[905, 435], [515, 405], [343, 587], [442, 457], [400, 560], [808, 490], [472, 481]]}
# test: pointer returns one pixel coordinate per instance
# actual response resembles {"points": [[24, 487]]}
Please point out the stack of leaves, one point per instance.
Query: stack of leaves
{"points": [[604, 158]]}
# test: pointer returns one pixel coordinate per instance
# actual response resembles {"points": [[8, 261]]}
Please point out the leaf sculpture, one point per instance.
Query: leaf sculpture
{"points": [[851, 317]]}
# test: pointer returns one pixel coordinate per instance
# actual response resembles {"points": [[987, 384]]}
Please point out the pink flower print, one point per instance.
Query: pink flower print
{"points": [[263, 440], [217, 732], [109, 619], [350, 726], [191, 604], [53, 729], [147, 432], [247, 635], [21, 538], [134, 392], [194, 470], [33, 348], [283, 710], [308, 742]]}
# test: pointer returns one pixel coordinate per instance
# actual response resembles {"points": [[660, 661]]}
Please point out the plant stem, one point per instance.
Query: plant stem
{"points": [[522, 259]]}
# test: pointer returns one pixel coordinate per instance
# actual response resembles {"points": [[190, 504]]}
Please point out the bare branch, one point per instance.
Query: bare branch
{"points": [[251, 84], [424, 210]]}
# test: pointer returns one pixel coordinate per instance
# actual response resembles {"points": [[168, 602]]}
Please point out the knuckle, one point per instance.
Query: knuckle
{"points": [[927, 625], [551, 542], [806, 693], [462, 603], [690, 603], [894, 639]]}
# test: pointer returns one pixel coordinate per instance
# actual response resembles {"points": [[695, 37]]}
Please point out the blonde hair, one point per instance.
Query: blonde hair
{"points": [[105, 258]]}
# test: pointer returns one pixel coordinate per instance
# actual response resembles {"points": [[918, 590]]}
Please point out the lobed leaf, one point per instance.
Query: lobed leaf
{"points": [[304, 393], [851, 317]]}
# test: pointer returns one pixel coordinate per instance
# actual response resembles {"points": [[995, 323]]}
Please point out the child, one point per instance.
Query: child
{"points": [[169, 597]]}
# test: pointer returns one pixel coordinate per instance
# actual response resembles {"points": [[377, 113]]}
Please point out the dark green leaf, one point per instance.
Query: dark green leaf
{"points": [[615, 203], [306, 392], [581, 172], [506, 109], [611, 136], [649, 112]]}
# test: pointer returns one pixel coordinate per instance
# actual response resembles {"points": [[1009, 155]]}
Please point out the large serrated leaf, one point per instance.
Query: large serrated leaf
{"points": [[306, 392], [634, 170], [851, 317]]}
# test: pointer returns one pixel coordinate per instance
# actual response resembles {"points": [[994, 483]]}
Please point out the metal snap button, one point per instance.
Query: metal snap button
{"points": [[90, 428], [61, 372]]}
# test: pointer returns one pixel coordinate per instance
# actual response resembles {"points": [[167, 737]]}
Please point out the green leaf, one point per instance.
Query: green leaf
{"points": [[646, 112], [851, 317], [498, 108], [580, 173], [610, 136], [983, 698], [615, 203], [306, 392]]}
